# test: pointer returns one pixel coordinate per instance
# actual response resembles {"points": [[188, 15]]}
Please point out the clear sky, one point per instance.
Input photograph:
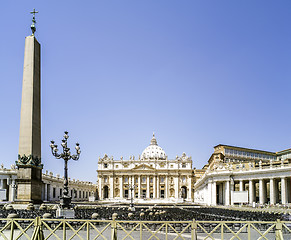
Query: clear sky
{"points": [[197, 73]]}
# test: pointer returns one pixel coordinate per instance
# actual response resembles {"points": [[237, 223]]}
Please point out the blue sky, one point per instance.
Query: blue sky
{"points": [[197, 73]]}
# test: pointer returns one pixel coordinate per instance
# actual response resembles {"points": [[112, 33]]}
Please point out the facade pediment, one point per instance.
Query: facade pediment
{"points": [[143, 167]]}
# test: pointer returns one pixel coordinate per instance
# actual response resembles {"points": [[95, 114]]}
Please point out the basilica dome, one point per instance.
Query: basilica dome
{"points": [[153, 151]]}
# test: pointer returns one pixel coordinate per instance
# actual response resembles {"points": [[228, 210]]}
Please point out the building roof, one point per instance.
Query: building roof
{"points": [[246, 149], [284, 151]]}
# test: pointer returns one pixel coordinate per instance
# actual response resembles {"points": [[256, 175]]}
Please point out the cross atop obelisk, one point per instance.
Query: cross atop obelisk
{"points": [[33, 28]]}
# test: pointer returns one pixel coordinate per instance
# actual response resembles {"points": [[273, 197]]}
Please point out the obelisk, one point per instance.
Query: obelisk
{"points": [[29, 156]]}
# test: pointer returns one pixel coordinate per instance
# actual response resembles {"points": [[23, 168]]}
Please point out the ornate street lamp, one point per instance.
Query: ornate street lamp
{"points": [[66, 155]]}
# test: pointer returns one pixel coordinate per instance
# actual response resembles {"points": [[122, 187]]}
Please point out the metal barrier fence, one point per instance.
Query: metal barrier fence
{"points": [[73, 229]]}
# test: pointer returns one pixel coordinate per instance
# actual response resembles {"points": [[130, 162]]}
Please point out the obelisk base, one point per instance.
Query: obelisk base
{"points": [[29, 181]]}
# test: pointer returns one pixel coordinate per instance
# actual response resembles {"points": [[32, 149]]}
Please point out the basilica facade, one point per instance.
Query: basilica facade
{"points": [[150, 177]]}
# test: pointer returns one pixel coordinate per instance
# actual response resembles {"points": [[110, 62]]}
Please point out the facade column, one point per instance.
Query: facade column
{"points": [[262, 191], [128, 187], [158, 187], [189, 188], [283, 191], [213, 195], [241, 185], [272, 191], [227, 193], [176, 184], [131, 184], [166, 186], [154, 187], [111, 184], [99, 188], [251, 191], [148, 187], [121, 187], [139, 187]]}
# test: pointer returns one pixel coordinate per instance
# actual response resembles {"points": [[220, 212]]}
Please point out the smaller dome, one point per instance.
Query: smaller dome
{"points": [[153, 151]]}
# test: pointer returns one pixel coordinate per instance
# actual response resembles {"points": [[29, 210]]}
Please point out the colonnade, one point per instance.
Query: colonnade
{"points": [[271, 190], [53, 193], [8, 184]]}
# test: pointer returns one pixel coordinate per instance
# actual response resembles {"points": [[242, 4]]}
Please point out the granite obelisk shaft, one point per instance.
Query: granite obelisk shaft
{"points": [[29, 157], [30, 121]]}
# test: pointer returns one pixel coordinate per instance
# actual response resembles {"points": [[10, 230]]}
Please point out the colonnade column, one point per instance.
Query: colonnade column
{"points": [[209, 188], [283, 191], [1, 183], [12, 189], [227, 193], [251, 191], [241, 185], [214, 193], [272, 191], [288, 186], [139, 186], [231, 191], [154, 187], [45, 192], [262, 191], [148, 187]]}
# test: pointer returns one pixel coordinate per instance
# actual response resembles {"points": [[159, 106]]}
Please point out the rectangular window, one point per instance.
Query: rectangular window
{"points": [[126, 193]]}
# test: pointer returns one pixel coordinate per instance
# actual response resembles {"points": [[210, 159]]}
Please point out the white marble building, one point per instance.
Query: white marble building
{"points": [[51, 189], [236, 175], [151, 176]]}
